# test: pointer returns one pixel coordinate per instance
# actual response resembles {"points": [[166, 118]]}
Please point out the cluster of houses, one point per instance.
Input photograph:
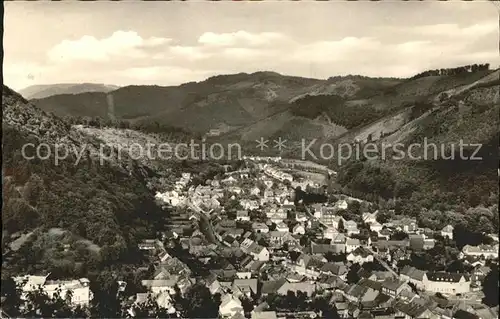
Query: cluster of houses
{"points": [[268, 246]]}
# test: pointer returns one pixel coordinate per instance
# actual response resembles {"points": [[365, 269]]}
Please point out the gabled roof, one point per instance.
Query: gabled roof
{"points": [[360, 251], [413, 273], [411, 309], [306, 287], [272, 286], [447, 229], [244, 284], [392, 284], [370, 284], [446, 276], [325, 248]]}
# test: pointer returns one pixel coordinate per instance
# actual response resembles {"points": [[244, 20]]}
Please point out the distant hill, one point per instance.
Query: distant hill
{"points": [[43, 91], [245, 107], [228, 103]]}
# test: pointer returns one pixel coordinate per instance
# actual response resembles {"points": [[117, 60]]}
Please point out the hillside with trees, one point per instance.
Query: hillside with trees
{"points": [[107, 207]]}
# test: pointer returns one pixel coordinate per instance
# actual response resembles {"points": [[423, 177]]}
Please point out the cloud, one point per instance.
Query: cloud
{"points": [[126, 57], [240, 38], [328, 51], [167, 75], [189, 52], [447, 30], [120, 43]]}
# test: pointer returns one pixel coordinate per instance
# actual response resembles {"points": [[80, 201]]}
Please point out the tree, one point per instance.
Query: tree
{"points": [[247, 304], [200, 303], [352, 275], [399, 235], [291, 300], [341, 226], [321, 305], [11, 296], [491, 287]]}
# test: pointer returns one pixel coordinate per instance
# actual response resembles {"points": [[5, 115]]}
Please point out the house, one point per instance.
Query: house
{"points": [[264, 315], [448, 283], [351, 227], [341, 204], [260, 228], [213, 284], [370, 218], [339, 239], [361, 292], [255, 191], [230, 180], [247, 287], [409, 310], [249, 204], [447, 231], [163, 300], [301, 217], [282, 227], [327, 215], [352, 244], [379, 275], [298, 230], [271, 286], [330, 233], [376, 226], [278, 238], [479, 273], [306, 287], [359, 256], [242, 215], [413, 275], [257, 251], [230, 306], [487, 251], [321, 249], [157, 286], [81, 294], [276, 215], [308, 265], [339, 270], [147, 244], [329, 282], [244, 274], [393, 287], [405, 224]]}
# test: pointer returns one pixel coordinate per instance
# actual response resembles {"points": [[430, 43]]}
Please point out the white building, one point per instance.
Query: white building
{"points": [[488, 251], [447, 231], [298, 230], [359, 256], [242, 215], [282, 227], [81, 294], [351, 227], [370, 217], [230, 306]]}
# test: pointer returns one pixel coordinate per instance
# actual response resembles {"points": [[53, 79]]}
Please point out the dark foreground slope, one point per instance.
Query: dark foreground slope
{"points": [[99, 211]]}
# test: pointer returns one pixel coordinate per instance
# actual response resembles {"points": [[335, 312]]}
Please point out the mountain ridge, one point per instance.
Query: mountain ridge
{"points": [[46, 90]]}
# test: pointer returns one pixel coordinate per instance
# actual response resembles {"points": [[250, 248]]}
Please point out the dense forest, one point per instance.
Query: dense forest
{"points": [[312, 106], [454, 71], [434, 204], [104, 203]]}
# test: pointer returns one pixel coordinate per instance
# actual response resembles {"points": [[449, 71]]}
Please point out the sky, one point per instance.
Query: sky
{"points": [[169, 43]]}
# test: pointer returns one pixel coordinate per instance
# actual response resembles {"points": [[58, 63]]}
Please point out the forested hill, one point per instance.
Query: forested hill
{"points": [[100, 211]]}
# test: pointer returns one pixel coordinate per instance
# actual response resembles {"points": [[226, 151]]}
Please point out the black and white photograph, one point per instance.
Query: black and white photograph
{"points": [[250, 159]]}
